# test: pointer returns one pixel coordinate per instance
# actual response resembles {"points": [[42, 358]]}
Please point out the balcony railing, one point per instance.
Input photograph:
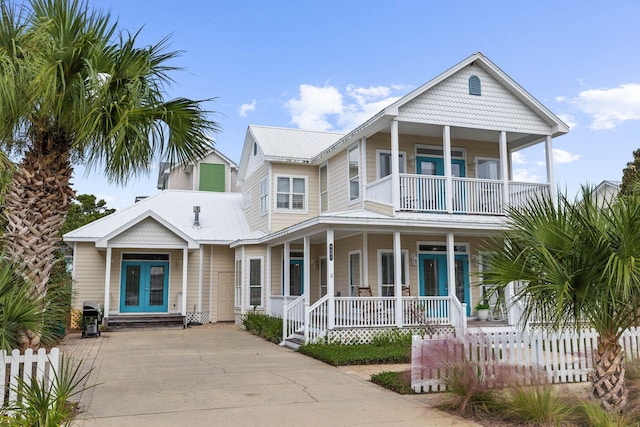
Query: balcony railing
{"points": [[427, 193]]}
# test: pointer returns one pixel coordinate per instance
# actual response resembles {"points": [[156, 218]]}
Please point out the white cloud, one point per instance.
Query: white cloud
{"points": [[525, 175], [609, 107], [518, 159], [327, 108], [569, 120], [245, 108], [562, 156], [560, 98]]}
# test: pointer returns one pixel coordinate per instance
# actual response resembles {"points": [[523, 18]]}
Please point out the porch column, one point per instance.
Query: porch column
{"points": [[331, 289], [395, 166], [107, 282], [200, 278], [306, 284], [548, 150], [451, 265], [504, 168], [365, 259], [448, 185], [397, 277], [185, 260], [287, 270], [243, 277], [363, 170], [268, 287]]}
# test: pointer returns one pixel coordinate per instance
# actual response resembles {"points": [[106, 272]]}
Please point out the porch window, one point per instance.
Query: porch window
{"points": [[323, 276], [355, 273], [291, 193], [238, 283], [354, 173], [386, 271], [255, 282], [264, 195], [324, 188], [487, 168], [383, 163]]}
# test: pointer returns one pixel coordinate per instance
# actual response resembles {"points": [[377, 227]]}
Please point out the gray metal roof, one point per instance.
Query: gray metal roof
{"points": [[292, 143]]}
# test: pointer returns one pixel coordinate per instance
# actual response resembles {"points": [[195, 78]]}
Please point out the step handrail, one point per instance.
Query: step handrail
{"points": [[292, 316], [318, 316]]}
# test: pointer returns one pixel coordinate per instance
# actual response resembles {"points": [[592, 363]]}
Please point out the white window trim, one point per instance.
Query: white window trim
{"points": [[237, 283], [353, 292], [443, 243], [404, 252], [262, 279], [475, 165], [264, 197], [290, 209], [403, 160], [324, 165], [440, 156], [320, 274], [246, 199], [358, 176]]}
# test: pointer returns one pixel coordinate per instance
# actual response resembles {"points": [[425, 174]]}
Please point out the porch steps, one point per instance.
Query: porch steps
{"points": [[294, 341], [123, 322]]}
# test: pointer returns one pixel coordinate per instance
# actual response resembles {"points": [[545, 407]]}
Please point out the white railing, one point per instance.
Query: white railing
{"points": [[458, 315], [422, 193], [365, 311], [380, 191], [277, 302], [424, 311], [317, 325], [521, 192], [30, 366], [292, 316], [477, 196]]}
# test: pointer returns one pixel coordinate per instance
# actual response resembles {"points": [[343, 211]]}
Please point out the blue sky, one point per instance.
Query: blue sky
{"points": [[329, 65]]}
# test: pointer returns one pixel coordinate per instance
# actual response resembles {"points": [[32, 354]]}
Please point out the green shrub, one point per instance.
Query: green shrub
{"points": [[400, 382], [592, 414], [538, 404], [358, 354], [392, 337], [265, 326]]}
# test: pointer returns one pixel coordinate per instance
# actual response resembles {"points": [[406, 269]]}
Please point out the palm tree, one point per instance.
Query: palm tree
{"points": [[76, 90], [577, 264]]}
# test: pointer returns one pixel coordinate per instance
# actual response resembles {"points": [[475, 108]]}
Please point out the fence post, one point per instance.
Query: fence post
{"points": [[306, 322]]}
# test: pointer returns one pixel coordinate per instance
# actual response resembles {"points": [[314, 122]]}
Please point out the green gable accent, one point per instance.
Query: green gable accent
{"points": [[212, 177]]}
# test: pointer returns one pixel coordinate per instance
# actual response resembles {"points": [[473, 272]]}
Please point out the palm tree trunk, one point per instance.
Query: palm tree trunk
{"points": [[36, 206], [608, 384]]}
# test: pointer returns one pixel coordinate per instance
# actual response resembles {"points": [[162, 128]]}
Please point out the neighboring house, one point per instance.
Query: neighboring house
{"points": [[606, 191], [340, 234], [214, 172]]}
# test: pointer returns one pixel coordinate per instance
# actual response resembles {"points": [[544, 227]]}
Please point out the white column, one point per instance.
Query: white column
{"points": [[185, 260], [107, 281], [243, 279], [395, 163], [363, 170], [548, 149], [286, 270], [200, 277], [306, 267], [451, 265], [331, 289], [365, 259], [504, 168], [397, 277], [448, 185], [268, 287], [211, 273]]}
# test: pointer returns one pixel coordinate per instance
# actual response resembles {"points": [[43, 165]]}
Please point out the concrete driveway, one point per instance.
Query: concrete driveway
{"points": [[223, 376]]}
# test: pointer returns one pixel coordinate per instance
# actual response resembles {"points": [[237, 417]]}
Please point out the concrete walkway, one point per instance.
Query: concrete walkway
{"points": [[223, 376]]}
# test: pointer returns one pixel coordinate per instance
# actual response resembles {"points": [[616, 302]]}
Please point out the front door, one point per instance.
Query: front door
{"points": [[296, 277], [144, 287], [433, 277]]}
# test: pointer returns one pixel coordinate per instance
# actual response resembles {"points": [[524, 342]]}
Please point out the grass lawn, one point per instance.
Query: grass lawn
{"points": [[380, 351]]}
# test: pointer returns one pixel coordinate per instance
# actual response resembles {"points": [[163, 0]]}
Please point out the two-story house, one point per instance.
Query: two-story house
{"points": [[340, 234]]}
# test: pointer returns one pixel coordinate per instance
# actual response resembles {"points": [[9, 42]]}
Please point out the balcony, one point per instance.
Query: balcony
{"points": [[427, 193]]}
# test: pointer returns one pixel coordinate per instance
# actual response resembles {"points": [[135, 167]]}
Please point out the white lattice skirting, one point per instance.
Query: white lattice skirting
{"points": [[365, 335], [199, 317]]}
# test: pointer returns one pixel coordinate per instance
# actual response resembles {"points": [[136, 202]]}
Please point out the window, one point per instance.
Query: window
{"points": [[386, 271], [238, 283], [323, 276], [255, 148], [255, 282], [291, 193], [384, 163], [246, 199], [355, 273], [264, 195], [487, 168], [354, 173], [474, 86], [324, 188]]}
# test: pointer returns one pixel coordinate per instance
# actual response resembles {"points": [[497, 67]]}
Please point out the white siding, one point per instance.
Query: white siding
{"points": [[255, 162], [449, 103], [88, 282], [256, 220], [148, 232]]}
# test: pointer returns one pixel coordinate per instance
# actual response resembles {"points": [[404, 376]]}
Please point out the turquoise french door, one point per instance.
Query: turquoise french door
{"points": [[144, 286], [433, 276], [432, 198], [296, 277]]}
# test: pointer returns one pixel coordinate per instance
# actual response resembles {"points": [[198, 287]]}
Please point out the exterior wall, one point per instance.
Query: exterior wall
{"points": [[338, 172], [88, 281], [214, 158], [449, 103], [280, 220], [149, 231], [255, 162], [255, 219], [179, 179], [258, 251]]}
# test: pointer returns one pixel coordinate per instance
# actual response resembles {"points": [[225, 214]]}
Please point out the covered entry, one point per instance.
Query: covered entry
{"points": [[144, 283]]}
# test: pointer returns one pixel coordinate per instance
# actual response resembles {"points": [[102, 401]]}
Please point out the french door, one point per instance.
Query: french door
{"points": [[144, 287]]}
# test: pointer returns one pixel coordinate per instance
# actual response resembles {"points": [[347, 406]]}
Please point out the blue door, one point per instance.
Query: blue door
{"points": [[296, 277], [144, 286], [433, 276], [432, 197]]}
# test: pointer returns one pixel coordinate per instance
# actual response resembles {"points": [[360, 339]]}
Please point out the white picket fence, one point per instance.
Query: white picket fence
{"points": [[563, 357], [30, 367]]}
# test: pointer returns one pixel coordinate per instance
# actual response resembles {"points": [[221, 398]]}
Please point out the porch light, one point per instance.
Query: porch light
{"points": [[414, 259]]}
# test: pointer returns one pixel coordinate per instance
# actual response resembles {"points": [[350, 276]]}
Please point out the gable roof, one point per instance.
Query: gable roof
{"points": [[222, 219], [166, 167]]}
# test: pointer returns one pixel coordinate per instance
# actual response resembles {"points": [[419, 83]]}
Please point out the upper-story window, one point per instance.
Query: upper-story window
{"points": [[324, 188], [383, 163], [474, 86], [354, 173], [264, 195], [291, 193]]}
